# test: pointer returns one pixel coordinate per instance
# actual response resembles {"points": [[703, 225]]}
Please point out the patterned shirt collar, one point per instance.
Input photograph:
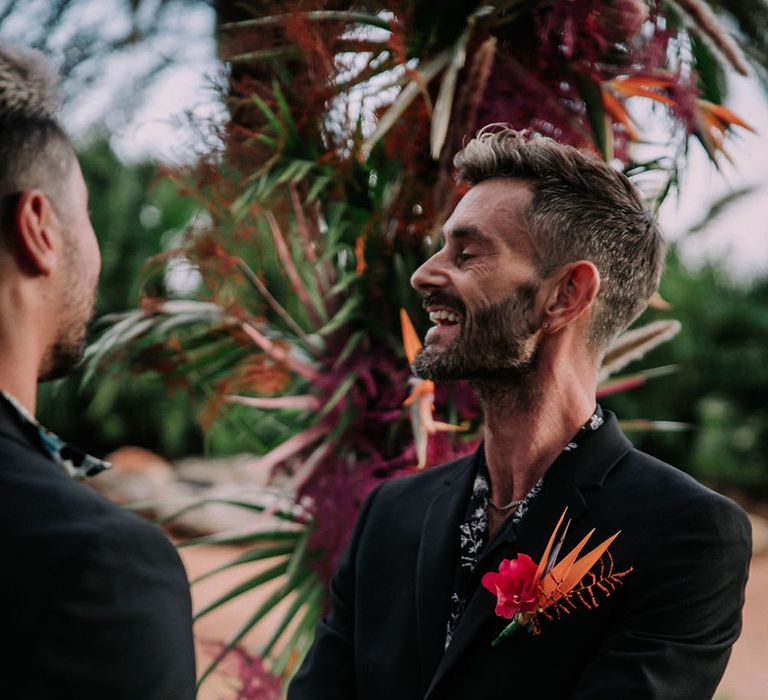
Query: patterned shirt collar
{"points": [[473, 531], [76, 462]]}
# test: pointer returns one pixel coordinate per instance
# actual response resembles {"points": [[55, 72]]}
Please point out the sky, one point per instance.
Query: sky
{"points": [[160, 129], [739, 236]]}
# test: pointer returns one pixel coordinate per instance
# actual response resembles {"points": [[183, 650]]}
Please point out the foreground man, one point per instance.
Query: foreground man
{"points": [[97, 603], [545, 260]]}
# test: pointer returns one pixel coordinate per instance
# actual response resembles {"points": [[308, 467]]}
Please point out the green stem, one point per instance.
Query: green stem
{"points": [[508, 631]]}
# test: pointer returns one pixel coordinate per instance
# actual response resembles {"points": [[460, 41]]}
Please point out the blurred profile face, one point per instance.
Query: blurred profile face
{"points": [[81, 264], [480, 290]]}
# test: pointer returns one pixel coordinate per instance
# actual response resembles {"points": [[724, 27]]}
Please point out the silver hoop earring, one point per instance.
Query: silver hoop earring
{"points": [[545, 325]]}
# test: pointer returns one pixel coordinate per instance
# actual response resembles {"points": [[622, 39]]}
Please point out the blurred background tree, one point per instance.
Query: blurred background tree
{"points": [[138, 214], [720, 385]]}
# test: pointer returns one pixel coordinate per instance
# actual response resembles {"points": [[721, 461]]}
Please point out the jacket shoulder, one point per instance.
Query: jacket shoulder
{"points": [[424, 483], [49, 518], [647, 484]]}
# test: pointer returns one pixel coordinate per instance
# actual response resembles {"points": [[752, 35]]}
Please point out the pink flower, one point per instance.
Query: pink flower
{"points": [[514, 586]]}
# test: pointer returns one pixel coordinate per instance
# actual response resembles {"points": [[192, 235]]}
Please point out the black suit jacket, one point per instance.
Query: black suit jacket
{"points": [[96, 601], [665, 634]]}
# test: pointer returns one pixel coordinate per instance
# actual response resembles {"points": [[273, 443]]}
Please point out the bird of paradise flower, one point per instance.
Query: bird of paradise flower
{"points": [[524, 590], [421, 400]]}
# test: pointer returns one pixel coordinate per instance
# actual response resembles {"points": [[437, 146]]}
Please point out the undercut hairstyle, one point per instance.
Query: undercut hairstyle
{"points": [[35, 152], [581, 209]]}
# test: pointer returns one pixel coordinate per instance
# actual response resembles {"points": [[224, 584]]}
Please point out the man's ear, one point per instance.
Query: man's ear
{"points": [[37, 233], [574, 294]]}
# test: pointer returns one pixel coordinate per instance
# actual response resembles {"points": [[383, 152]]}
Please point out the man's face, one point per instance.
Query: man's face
{"points": [[481, 290], [81, 264]]}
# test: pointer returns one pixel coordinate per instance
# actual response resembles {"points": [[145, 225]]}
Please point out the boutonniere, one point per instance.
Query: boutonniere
{"points": [[525, 591]]}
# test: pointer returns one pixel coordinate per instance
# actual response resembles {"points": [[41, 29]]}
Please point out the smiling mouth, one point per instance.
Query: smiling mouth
{"points": [[443, 317]]}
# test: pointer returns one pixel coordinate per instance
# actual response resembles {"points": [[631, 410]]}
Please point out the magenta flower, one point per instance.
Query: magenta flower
{"points": [[514, 586]]}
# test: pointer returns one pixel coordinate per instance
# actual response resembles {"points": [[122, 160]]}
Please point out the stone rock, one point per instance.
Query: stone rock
{"points": [[136, 475]]}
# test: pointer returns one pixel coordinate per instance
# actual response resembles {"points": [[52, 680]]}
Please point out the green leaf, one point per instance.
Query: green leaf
{"points": [[320, 183], [602, 131], [244, 538], [302, 636], [428, 71], [441, 117], [247, 505], [341, 391], [117, 337], [314, 16], [643, 425], [349, 348], [248, 585], [304, 593], [247, 558], [344, 315], [265, 55], [709, 72], [285, 111], [270, 116], [348, 279], [277, 597]]}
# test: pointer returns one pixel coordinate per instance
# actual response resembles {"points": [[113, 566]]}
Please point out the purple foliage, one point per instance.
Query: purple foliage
{"points": [[254, 681], [368, 451]]}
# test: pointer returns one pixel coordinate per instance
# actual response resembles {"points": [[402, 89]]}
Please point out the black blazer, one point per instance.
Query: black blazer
{"points": [[96, 601], [665, 634]]}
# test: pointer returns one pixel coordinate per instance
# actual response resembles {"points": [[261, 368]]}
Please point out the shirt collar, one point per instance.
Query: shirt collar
{"points": [[75, 462]]}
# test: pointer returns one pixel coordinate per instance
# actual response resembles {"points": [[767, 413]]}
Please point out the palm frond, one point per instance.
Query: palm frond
{"points": [[634, 344]]}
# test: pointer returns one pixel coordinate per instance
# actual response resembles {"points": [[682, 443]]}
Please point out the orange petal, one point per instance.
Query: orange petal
{"points": [[643, 87], [554, 578], [441, 427], [618, 112], [570, 577], [725, 115], [545, 556], [411, 341], [645, 81], [423, 388], [361, 265]]}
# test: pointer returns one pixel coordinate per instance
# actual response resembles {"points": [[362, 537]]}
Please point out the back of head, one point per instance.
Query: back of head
{"points": [[581, 209], [35, 153]]}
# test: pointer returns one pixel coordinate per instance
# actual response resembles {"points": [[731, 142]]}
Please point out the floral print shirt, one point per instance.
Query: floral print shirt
{"points": [[473, 531], [74, 461]]}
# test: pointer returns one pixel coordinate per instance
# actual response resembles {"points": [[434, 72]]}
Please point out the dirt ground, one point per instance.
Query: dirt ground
{"points": [[746, 677]]}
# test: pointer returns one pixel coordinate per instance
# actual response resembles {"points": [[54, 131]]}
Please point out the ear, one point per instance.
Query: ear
{"points": [[573, 295], [38, 233]]}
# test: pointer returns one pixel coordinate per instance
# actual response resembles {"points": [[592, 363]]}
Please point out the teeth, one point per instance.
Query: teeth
{"points": [[443, 315]]}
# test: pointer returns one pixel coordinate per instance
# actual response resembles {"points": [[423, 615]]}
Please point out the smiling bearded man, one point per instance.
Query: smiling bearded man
{"points": [[546, 259]]}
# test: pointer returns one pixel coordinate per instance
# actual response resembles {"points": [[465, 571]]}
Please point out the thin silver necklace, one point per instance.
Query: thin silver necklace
{"points": [[506, 507]]}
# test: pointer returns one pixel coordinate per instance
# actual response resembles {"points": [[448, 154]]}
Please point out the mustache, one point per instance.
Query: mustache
{"points": [[441, 298]]}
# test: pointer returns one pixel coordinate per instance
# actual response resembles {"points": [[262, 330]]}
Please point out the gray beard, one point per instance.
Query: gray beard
{"points": [[496, 347]]}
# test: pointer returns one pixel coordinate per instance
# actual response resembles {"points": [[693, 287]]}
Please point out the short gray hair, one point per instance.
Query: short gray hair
{"points": [[581, 209], [35, 152]]}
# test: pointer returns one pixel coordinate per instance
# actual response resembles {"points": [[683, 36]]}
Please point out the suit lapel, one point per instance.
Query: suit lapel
{"points": [[437, 561], [570, 475]]}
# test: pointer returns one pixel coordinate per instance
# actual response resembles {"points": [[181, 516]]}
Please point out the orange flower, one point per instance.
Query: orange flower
{"points": [[422, 398], [522, 594]]}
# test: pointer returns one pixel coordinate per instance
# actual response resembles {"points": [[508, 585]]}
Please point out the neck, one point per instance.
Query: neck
{"points": [[527, 425], [20, 347]]}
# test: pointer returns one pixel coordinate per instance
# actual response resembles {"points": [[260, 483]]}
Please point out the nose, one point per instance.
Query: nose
{"points": [[430, 274]]}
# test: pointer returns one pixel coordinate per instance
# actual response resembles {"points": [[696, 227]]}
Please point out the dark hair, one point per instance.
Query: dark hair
{"points": [[35, 152], [581, 209]]}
